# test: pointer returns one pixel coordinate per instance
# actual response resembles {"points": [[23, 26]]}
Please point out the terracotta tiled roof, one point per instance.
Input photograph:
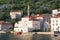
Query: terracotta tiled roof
{"points": [[27, 17], [4, 23], [56, 16], [42, 15], [33, 20], [35, 16], [16, 11]]}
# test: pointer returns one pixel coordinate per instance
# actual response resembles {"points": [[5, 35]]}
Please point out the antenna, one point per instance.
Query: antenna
{"points": [[28, 10]]}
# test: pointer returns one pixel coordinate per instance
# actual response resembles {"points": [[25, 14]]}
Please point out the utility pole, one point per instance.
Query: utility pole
{"points": [[28, 10]]}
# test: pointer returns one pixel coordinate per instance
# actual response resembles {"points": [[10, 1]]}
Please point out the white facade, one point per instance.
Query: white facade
{"points": [[30, 23], [55, 12], [26, 25], [20, 29], [16, 14], [55, 24]]}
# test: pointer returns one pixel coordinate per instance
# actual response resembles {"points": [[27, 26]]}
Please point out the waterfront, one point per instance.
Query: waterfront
{"points": [[9, 36]]}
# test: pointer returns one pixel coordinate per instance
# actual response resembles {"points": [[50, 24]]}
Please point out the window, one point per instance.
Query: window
{"points": [[56, 28], [53, 20], [56, 20], [56, 24], [25, 24], [53, 24]]}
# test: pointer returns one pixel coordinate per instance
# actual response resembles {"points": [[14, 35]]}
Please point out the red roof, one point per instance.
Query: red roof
{"points": [[16, 11], [56, 16], [5, 23], [40, 15], [35, 16], [26, 17]]}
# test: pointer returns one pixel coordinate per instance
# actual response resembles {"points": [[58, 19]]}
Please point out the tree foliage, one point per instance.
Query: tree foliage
{"points": [[36, 6]]}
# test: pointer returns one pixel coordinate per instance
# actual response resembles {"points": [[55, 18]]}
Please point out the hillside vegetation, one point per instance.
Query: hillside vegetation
{"points": [[36, 6]]}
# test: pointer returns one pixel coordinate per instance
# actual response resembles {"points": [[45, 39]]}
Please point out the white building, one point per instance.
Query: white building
{"points": [[5, 25], [55, 23], [44, 21], [16, 14], [55, 12], [32, 22], [26, 24]]}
